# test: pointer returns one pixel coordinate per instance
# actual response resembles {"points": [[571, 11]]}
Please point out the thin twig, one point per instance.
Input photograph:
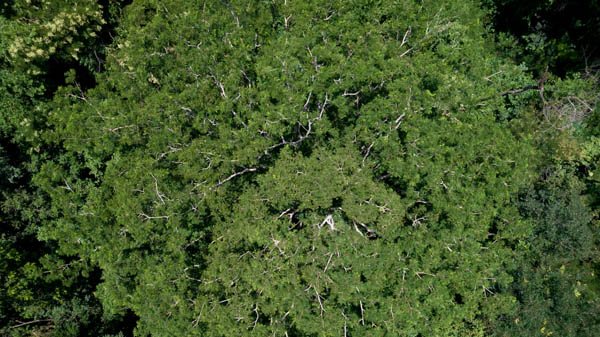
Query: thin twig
{"points": [[30, 322]]}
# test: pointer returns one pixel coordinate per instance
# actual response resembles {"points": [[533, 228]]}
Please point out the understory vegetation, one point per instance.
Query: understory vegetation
{"points": [[299, 168]]}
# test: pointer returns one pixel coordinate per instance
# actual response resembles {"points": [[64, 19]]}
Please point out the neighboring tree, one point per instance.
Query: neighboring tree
{"points": [[561, 34], [556, 284], [42, 291]]}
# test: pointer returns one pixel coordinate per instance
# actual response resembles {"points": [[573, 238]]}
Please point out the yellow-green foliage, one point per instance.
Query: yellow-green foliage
{"points": [[47, 28]]}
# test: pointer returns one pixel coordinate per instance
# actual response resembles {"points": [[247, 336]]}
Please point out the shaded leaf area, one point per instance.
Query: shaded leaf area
{"points": [[561, 33], [556, 282], [42, 291]]}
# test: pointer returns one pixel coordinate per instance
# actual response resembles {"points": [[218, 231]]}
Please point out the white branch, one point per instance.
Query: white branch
{"points": [[319, 299], [221, 182], [345, 94], [328, 261], [147, 217], [362, 313], [219, 84], [256, 320], [367, 154], [328, 220], [114, 130], [158, 194], [405, 36], [406, 52], [307, 101]]}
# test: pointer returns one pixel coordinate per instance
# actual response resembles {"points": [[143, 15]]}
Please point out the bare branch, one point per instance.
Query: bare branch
{"points": [[362, 313], [320, 303], [307, 101], [172, 149], [487, 78], [67, 187], [30, 322], [356, 229], [406, 52], [147, 217], [308, 128], [408, 31], [346, 93], [417, 220], [219, 84], [256, 320], [158, 194], [329, 17], [114, 130], [322, 108], [246, 170], [328, 261], [367, 154], [399, 121], [328, 220]]}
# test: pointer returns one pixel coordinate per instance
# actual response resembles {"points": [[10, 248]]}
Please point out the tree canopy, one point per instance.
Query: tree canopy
{"points": [[293, 168]]}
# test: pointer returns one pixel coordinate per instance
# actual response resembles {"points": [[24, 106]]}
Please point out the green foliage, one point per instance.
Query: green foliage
{"points": [[50, 29], [556, 281], [224, 140], [41, 290], [294, 168]]}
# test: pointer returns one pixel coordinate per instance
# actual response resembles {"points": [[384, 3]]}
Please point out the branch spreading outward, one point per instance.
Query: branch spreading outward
{"points": [[246, 170], [510, 92], [302, 137], [218, 83], [328, 220], [308, 128], [311, 121], [30, 322]]}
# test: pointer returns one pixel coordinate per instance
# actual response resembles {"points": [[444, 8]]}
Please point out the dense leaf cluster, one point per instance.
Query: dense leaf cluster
{"points": [[289, 168]]}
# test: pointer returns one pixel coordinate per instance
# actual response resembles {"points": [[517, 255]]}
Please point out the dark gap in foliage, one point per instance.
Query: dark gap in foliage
{"points": [[126, 324], [111, 11], [292, 331], [306, 147], [90, 63], [56, 69], [562, 34], [443, 220], [6, 8], [430, 82], [246, 247], [493, 231], [383, 19], [432, 113], [296, 221], [338, 122], [240, 182], [396, 184], [592, 123], [372, 94], [12, 158]]}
